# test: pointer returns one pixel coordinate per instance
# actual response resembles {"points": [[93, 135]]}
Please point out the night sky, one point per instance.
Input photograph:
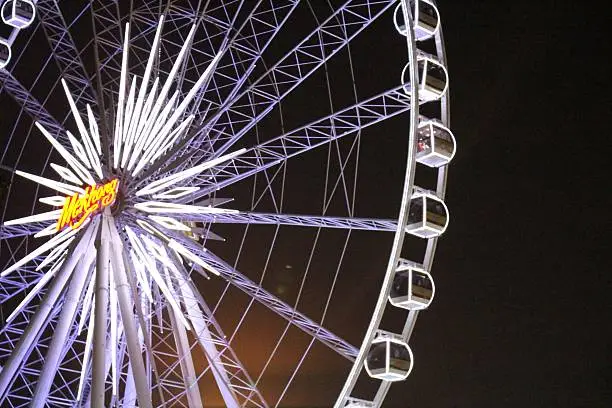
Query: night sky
{"points": [[525, 315], [522, 312]]}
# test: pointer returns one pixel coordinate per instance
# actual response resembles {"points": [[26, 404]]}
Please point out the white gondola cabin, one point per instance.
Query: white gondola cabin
{"points": [[432, 77], [426, 19], [428, 215], [5, 53], [18, 13], [435, 144], [413, 287], [389, 359]]}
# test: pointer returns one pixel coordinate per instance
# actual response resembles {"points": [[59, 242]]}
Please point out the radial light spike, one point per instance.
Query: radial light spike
{"points": [[79, 121], [70, 159], [192, 257], [94, 159], [173, 137], [56, 240], [163, 94], [87, 301], [120, 138], [139, 136], [86, 353], [45, 232], [129, 109], [162, 97], [161, 283], [173, 194], [181, 108], [46, 216], [56, 253], [93, 128], [170, 223], [141, 276], [172, 179], [52, 184], [79, 150], [120, 105], [66, 174], [142, 92], [54, 201], [158, 123], [34, 291]]}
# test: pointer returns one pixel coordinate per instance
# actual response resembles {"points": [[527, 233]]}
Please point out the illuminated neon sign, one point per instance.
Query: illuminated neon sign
{"points": [[78, 208]]}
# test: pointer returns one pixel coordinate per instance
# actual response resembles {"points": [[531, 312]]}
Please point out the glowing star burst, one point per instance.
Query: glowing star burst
{"points": [[103, 204]]}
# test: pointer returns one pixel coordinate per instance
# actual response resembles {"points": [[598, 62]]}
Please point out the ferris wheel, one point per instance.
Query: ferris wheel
{"points": [[192, 191]]}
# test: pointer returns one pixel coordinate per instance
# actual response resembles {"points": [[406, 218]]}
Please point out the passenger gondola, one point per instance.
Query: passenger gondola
{"points": [[435, 144], [432, 77], [389, 359], [413, 287], [427, 216], [18, 13], [426, 19]]}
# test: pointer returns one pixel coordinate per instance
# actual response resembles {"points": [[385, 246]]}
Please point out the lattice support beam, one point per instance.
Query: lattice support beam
{"points": [[64, 50], [278, 150]]}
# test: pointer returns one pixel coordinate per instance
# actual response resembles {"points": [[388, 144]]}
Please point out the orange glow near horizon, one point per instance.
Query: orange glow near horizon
{"points": [[78, 208]]}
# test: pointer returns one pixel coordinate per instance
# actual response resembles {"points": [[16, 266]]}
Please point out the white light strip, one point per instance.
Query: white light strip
{"points": [[45, 232], [87, 301], [152, 134], [51, 229], [162, 285], [54, 201], [181, 108], [165, 182], [53, 242], [87, 352], [93, 128], [77, 116], [192, 257], [160, 207], [41, 283], [162, 97], [66, 174], [173, 194], [173, 137], [79, 150], [129, 109], [126, 122], [52, 184], [136, 117], [46, 216], [139, 271], [170, 223], [139, 136], [56, 253], [93, 156], [71, 160], [122, 85]]}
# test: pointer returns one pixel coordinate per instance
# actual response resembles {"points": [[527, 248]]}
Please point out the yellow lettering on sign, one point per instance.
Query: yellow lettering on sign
{"points": [[78, 208]]}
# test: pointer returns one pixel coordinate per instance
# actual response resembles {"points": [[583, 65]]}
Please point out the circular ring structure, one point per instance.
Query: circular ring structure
{"points": [[202, 172]]}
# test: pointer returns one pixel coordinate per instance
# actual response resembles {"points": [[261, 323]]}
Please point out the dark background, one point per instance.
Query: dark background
{"points": [[525, 319], [522, 311]]}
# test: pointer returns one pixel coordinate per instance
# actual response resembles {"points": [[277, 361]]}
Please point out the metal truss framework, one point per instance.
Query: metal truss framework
{"points": [[277, 150], [229, 108]]}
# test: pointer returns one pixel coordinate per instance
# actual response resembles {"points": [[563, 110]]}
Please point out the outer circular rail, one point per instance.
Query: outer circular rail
{"points": [[345, 399]]}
